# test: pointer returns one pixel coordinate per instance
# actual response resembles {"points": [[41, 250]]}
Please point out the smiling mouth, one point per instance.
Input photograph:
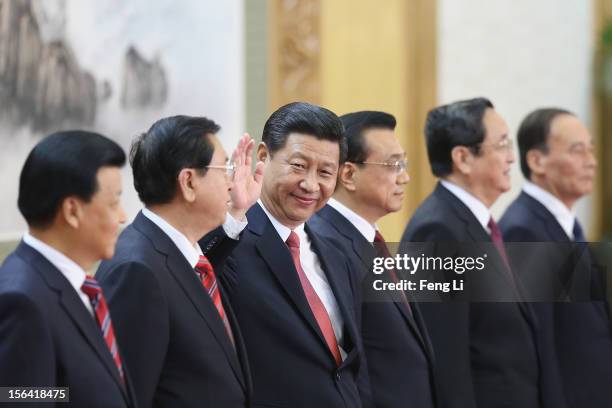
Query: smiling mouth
{"points": [[305, 200]]}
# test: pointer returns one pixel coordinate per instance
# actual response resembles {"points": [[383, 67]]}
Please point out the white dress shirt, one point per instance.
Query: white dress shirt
{"points": [[477, 207], [71, 271], [232, 228], [564, 216], [190, 252], [363, 226], [315, 274]]}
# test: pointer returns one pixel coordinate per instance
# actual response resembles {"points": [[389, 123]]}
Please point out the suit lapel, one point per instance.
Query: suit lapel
{"points": [[345, 228], [365, 252], [341, 287], [278, 258], [184, 274], [479, 234], [555, 231], [74, 308]]}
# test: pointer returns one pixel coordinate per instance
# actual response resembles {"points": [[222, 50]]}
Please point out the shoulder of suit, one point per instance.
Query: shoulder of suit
{"points": [[19, 277]]}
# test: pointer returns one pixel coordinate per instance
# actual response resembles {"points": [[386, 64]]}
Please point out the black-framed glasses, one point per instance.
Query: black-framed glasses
{"points": [[399, 165], [229, 168]]}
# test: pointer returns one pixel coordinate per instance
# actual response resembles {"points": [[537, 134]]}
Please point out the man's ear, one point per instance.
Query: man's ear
{"points": [[186, 184], [536, 161], [71, 211], [462, 159], [262, 152], [347, 175]]}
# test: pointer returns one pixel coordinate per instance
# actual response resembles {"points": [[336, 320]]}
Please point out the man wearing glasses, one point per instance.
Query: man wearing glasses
{"points": [[174, 325], [487, 353], [371, 185]]}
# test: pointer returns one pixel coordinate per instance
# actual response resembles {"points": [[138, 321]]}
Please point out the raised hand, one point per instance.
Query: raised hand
{"points": [[246, 183]]}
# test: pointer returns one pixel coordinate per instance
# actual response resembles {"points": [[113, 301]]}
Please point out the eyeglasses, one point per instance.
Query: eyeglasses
{"points": [[399, 165], [504, 144], [229, 168]]}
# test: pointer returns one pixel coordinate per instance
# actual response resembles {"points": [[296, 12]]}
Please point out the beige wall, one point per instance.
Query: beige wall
{"points": [[358, 55]]}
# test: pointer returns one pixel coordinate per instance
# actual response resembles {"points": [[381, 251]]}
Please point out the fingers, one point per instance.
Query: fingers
{"points": [[249, 152]]}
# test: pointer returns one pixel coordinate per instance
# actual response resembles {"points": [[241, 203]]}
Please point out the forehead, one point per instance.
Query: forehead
{"points": [[219, 152], [382, 142], [309, 147], [109, 179], [495, 126], [568, 129]]}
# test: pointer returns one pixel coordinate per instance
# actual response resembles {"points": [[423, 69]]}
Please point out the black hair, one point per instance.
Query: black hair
{"points": [[456, 124], [169, 146], [61, 165], [533, 133], [304, 118], [355, 125]]}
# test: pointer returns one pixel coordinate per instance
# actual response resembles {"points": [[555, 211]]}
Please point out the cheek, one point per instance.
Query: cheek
{"points": [[328, 187]]}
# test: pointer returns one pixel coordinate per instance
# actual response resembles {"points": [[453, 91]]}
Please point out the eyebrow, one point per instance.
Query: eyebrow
{"points": [[300, 155], [398, 156]]}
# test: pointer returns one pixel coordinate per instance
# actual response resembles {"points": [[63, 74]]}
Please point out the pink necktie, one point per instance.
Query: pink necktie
{"points": [[317, 307]]}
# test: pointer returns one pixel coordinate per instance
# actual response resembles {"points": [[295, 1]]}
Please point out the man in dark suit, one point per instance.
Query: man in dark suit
{"points": [[486, 352], [174, 323], [557, 160], [51, 314], [291, 290], [370, 185]]}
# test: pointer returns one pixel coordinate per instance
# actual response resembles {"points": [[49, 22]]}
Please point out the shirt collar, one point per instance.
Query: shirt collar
{"points": [[477, 207], [73, 272], [191, 253], [564, 216], [282, 230], [363, 226]]}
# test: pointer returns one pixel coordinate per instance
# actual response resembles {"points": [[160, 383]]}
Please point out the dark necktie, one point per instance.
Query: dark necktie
{"points": [[383, 251], [94, 293], [497, 239], [207, 276], [578, 233], [315, 303]]}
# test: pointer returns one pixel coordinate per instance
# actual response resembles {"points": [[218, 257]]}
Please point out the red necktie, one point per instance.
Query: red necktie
{"points": [[317, 307], [94, 292], [497, 239], [207, 275], [384, 251]]}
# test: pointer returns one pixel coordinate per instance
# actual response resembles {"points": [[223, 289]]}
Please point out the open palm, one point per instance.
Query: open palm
{"points": [[246, 182]]}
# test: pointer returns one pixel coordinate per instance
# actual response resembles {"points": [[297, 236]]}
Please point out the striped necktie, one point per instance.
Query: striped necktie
{"points": [[94, 292], [207, 276]]}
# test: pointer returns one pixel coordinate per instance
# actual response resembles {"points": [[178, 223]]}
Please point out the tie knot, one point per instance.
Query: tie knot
{"points": [[91, 288], [493, 226], [378, 237], [293, 241], [203, 266]]}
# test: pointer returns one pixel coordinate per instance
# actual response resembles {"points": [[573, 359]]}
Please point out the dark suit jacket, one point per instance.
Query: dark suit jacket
{"points": [[486, 353], [396, 343], [168, 327], [579, 333], [291, 364], [49, 338]]}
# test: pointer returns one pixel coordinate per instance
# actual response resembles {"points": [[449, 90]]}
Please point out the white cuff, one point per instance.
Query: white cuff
{"points": [[233, 227]]}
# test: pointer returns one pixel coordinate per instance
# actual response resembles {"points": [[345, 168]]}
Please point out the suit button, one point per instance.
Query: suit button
{"points": [[337, 376]]}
